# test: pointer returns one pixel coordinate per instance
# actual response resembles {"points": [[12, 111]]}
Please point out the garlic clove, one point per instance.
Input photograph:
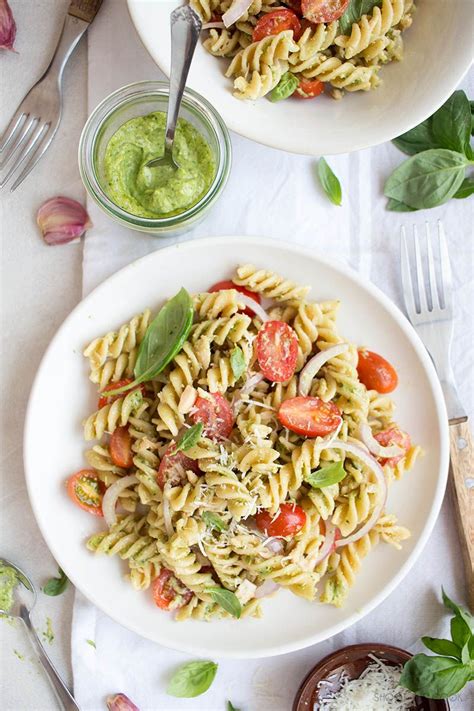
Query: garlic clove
{"points": [[62, 220], [7, 26], [120, 702]]}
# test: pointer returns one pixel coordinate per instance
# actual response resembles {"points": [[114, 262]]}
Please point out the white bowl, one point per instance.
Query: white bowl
{"points": [[438, 52], [62, 396]]}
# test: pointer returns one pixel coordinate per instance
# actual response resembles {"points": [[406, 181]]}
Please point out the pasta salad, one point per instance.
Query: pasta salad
{"points": [[240, 445], [284, 48]]}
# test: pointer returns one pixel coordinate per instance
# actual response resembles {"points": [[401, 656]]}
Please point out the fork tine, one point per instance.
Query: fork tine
{"points": [[408, 290], [419, 272], [37, 155], [11, 129], [445, 266], [431, 270], [21, 138], [20, 159]]}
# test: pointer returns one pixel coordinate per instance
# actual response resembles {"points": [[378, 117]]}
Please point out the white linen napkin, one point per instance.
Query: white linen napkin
{"points": [[274, 194]]}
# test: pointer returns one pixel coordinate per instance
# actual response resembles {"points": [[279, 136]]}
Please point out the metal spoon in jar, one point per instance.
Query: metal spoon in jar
{"points": [[185, 29], [24, 599]]}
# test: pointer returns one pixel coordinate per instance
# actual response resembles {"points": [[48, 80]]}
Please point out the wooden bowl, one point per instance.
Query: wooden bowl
{"points": [[353, 660]]}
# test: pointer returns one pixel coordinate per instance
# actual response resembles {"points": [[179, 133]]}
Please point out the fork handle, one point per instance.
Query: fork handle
{"points": [[462, 479], [72, 31]]}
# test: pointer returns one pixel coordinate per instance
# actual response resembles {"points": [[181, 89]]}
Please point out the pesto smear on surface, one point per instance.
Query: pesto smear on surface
{"points": [[8, 582], [160, 191]]}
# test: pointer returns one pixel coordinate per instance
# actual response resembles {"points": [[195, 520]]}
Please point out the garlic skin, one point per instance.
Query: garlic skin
{"points": [[7, 26], [120, 702], [62, 220]]}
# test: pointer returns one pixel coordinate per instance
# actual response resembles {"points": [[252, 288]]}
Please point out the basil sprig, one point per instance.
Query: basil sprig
{"points": [[354, 12], [285, 87], [163, 339], [237, 362], [189, 438], [227, 600], [213, 521], [56, 586], [447, 673], [231, 707], [329, 182], [192, 679], [326, 476], [440, 152]]}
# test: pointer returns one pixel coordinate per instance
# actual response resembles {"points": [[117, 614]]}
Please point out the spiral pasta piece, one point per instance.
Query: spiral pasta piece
{"points": [[342, 74], [116, 414], [269, 284], [371, 28], [226, 43], [314, 39], [337, 585]]}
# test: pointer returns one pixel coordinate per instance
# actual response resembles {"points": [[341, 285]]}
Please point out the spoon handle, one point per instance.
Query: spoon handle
{"points": [[63, 694], [185, 29]]}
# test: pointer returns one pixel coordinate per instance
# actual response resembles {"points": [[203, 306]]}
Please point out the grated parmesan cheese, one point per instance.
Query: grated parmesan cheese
{"points": [[376, 689]]}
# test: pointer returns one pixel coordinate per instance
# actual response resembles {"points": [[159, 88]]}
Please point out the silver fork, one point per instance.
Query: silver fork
{"points": [[35, 123], [429, 305]]}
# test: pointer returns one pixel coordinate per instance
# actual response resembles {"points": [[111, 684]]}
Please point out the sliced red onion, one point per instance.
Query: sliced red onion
{"points": [[274, 544], [315, 364], [213, 26], [251, 383], [109, 501], [375, 447], [254, 306], [267, 588], [167, 513], [377, 470], [328, 544], [236, 10]]}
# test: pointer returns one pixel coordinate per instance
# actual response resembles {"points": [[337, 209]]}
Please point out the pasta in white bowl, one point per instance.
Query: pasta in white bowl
{"points": [[210, 507]]}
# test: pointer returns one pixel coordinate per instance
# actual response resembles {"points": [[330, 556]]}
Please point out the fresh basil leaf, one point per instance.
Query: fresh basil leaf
{"points": [[164, 337], [466, 189], [396, 206], [471, 648], [227, 600], [285, 87], [189, 438], [465, 654], [451, 124], [192, 679], [354, 12], [460, 631], [326, 476], [56, 586], [418, 139], [231, 707], [458, 610], [434, 677], [237, 362], [471, 104], [442, 646], [213, 521], [329, 182], [427, 179]]}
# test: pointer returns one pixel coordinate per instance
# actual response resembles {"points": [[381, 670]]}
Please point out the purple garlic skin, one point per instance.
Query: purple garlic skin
{"points": [[120, 702], [7, 26], [62, 220]]}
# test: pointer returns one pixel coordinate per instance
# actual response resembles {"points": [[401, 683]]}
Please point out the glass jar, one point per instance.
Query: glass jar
{"points": [[139, 99]]}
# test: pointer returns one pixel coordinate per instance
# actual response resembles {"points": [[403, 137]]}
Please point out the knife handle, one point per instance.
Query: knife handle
{"points": [[462, 478]]}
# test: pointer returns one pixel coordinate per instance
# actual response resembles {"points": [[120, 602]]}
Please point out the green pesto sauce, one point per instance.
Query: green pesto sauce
{"points": [[8, 582], [160, 191]]}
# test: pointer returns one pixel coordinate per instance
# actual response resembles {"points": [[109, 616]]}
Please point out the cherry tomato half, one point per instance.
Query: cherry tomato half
{"points": [[393, 436], [107, 400], [86, 491], [275, 22], [323, 10], [337, 535], [277, 351], [215, 414], [169, 593], [121, 448], [173, 467], [376, 373], [308, 89], [309, 416], [289, 520], [225, 285]]}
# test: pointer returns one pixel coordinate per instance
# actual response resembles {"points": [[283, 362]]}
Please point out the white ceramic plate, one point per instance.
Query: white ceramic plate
{"points": [[438, 52], [62, 396]]}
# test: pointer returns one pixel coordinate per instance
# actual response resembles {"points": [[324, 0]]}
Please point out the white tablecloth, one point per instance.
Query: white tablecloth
{"points": [[273, 194]]}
